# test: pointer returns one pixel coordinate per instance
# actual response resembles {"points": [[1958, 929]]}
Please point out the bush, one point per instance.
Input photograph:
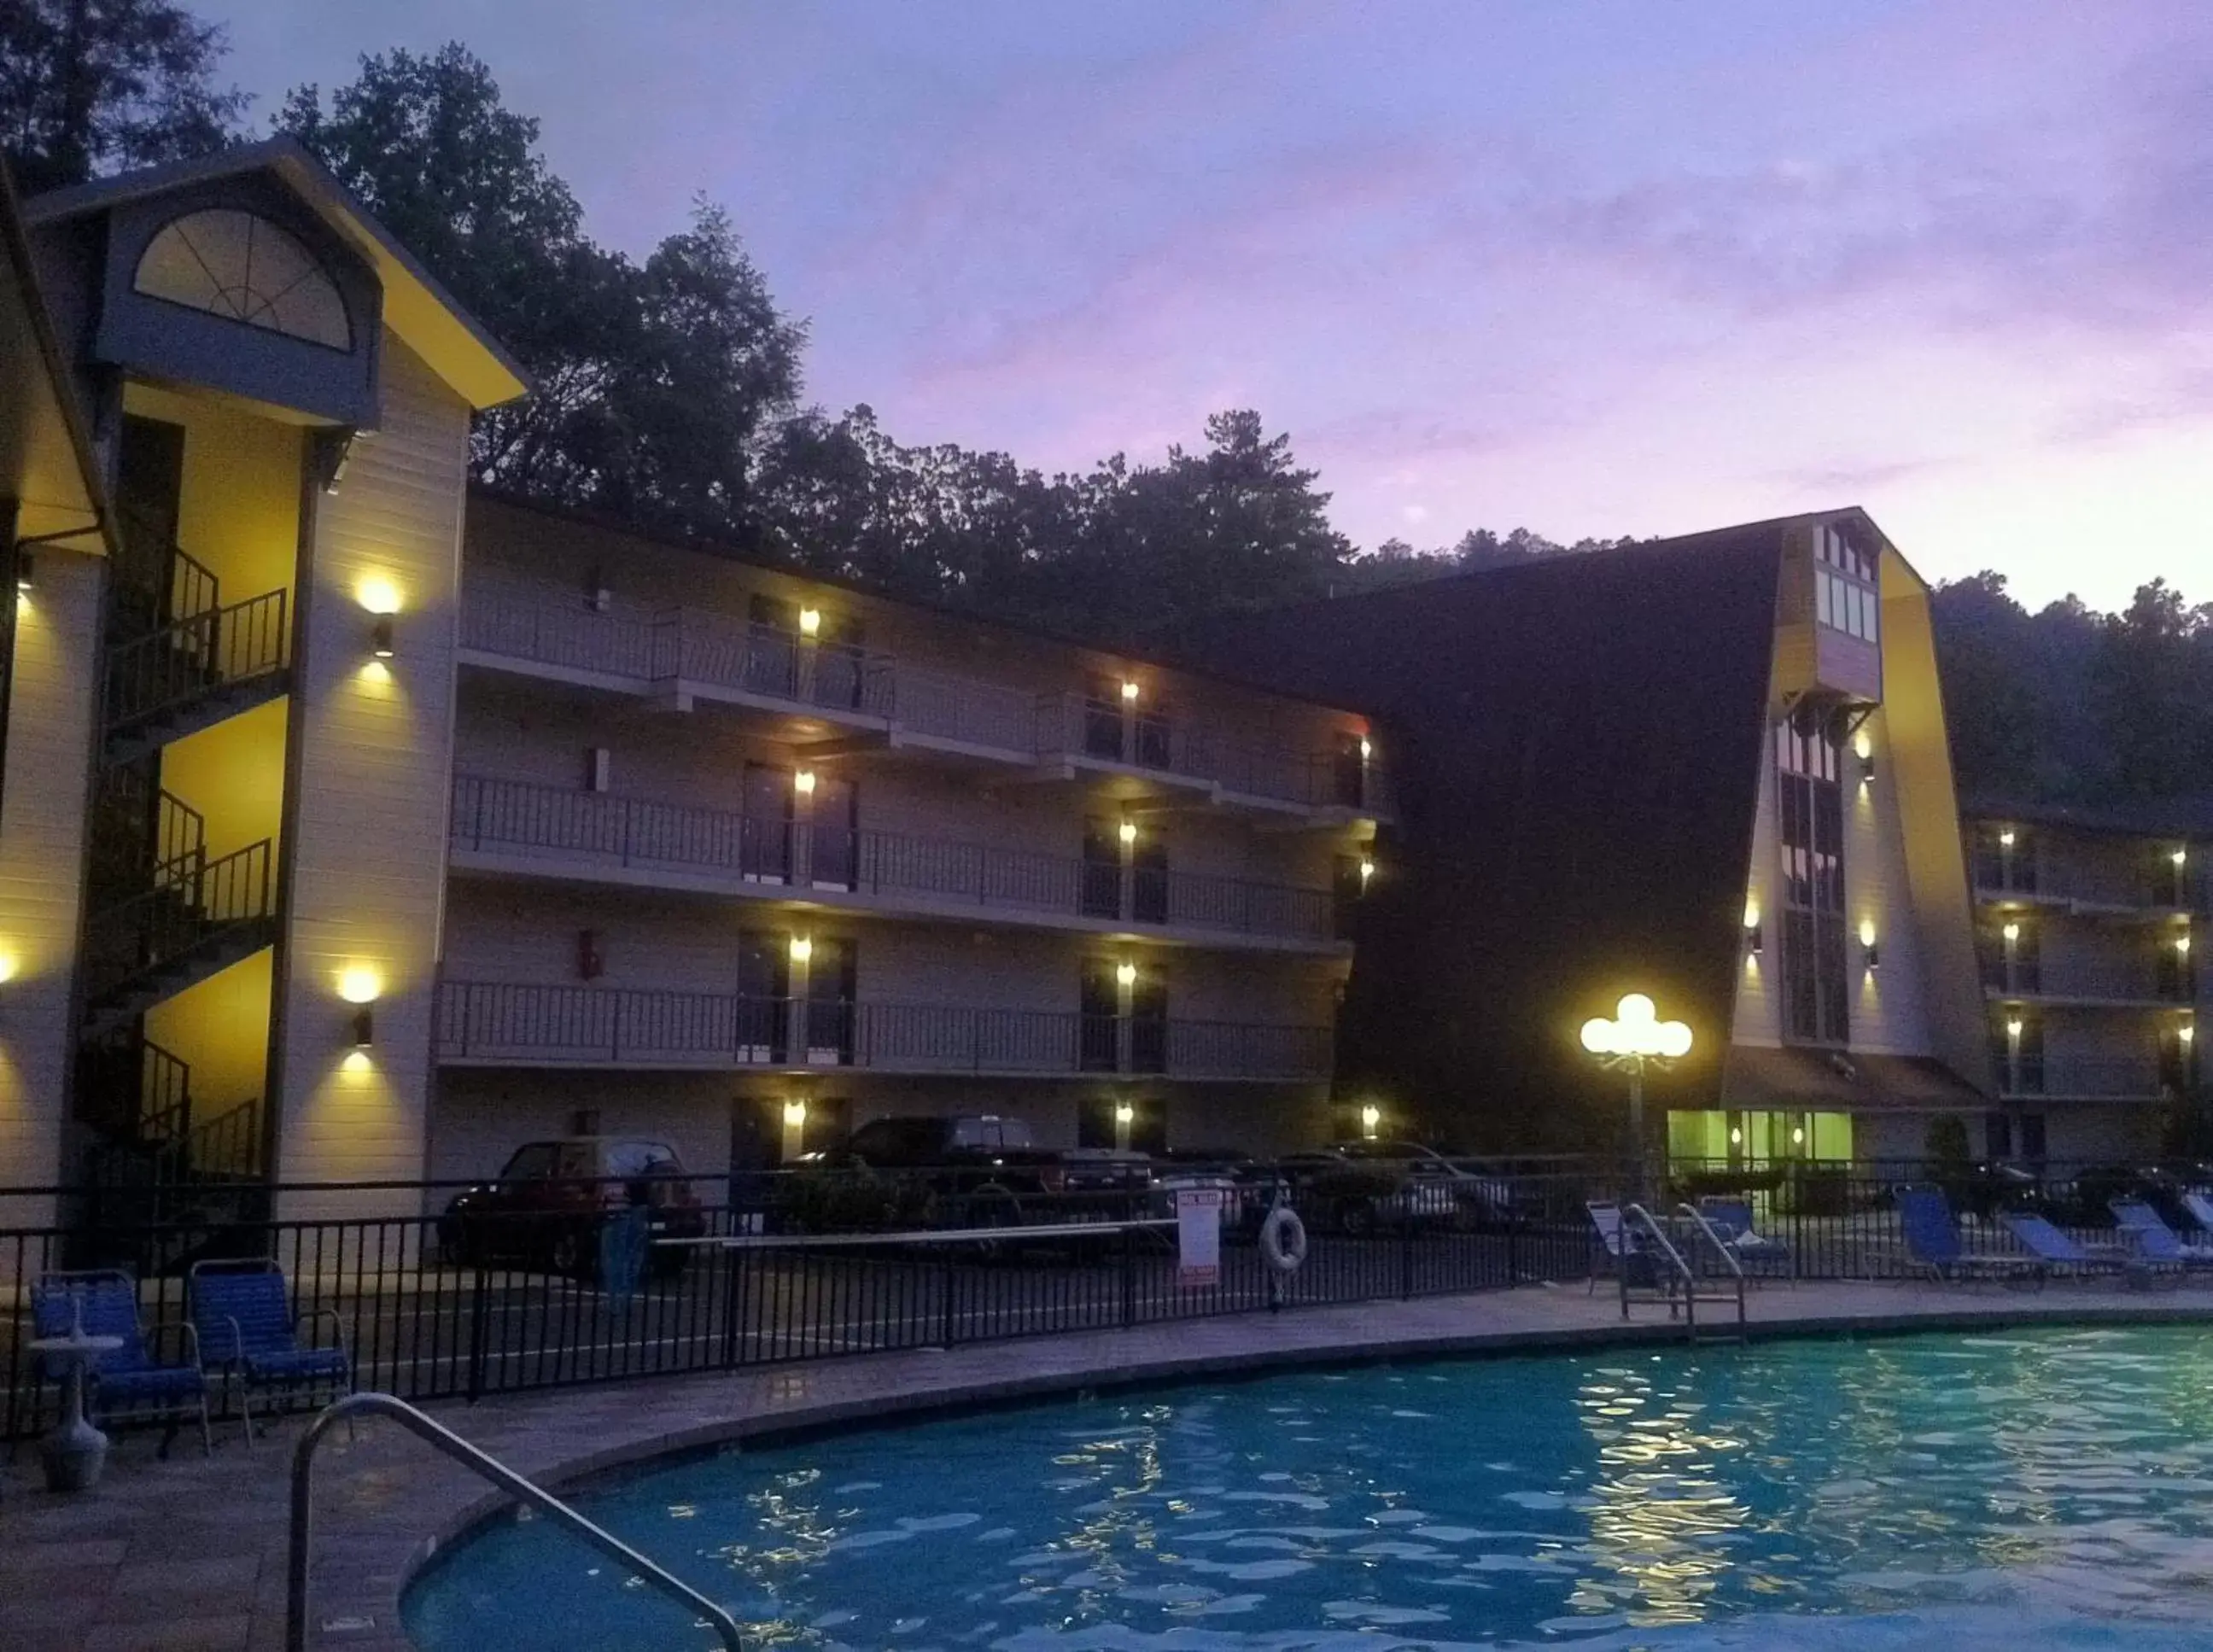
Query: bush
{"points": [[849, 1202]]}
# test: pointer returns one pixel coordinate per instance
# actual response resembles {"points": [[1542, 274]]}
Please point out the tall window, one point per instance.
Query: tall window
{"points": [[1845, 597], [1808, 751]]}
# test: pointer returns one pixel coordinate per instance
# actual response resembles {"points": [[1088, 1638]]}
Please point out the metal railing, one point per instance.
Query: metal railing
{"points": [[695, 646], [2120, 1078], [494, 1021], [2026, 877], [189, 906], [299, 1556], [2116, 981], [189, 657], [636, 833]]}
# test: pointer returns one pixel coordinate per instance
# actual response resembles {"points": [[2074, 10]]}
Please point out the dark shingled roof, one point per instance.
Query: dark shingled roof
{"points": [[1576, 745]]}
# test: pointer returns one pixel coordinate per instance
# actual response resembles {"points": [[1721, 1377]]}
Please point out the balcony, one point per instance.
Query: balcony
{"points": [[505, 826], [2111, 1079], [489, 1024], [2089, 984], [2022, 880], [858, 697]]}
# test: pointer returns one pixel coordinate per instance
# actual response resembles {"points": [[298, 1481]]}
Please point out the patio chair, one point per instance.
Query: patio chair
{"points": [[2059, 1252], [1731, 1219], [248, 1333], [2148, 1231], [132, 1381], [2201, 1211], [1612, 1236], [1932, 1242]]}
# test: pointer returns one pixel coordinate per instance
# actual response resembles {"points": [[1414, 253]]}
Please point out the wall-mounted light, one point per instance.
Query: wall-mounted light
{"points": [[27, 573], [1371, 1116], [8, 965], [2187, 1032], [1872, 953], [1124, 1112], [2181, 856], [1367, 751], [1797, 1135], [795, 1114], [380, 638], [803, 782], [2006, 837], [1755, 938], [802, 948], [1863, 746], [1367, 869], [2014, 1027], [1736, 1135], [2010, 932], [1125, 973], [1128, 832], [364, 1028], [810, 622], [1129, 691], [358, 985], [377, 594], [2182, 945]]}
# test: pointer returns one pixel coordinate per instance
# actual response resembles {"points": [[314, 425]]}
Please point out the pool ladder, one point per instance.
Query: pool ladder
{"points": [[490, 1468], [1680, 1287]]}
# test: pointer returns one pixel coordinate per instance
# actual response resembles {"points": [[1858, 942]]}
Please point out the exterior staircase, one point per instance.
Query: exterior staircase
{"points": [[193, 673], [199, 917]]}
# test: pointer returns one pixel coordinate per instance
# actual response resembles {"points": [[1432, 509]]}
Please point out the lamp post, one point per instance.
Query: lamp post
{"points": [[1633, 1039]]}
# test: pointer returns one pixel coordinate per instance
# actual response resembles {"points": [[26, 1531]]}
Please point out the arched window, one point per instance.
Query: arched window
{"points": [[244, 268]]}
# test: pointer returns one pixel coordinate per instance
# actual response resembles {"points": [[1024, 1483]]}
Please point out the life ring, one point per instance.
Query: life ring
{"points": [[1283, 1240]]}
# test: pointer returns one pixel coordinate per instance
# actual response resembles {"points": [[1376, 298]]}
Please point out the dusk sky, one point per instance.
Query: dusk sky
{"points": [[1595, 268]]}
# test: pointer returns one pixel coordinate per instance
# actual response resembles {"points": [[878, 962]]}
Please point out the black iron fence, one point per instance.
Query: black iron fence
{"points": [[446, 1290]]}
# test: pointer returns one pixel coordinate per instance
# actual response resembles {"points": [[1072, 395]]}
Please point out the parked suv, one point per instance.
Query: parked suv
{"points": [[984, 1170], [1360, 1187], [548, 1205]]}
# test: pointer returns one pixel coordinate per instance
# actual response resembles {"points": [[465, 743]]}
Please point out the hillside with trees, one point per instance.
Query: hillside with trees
{"points": [[669, 393]]}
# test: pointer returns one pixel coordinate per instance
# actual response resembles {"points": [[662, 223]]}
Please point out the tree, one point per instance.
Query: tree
{"points": [[92, 86], [2151, 682], [650, 382]]}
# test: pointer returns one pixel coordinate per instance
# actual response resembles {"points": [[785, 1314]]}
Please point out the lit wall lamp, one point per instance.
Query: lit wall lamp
{"points": [[810, 622], [1124, 1112], [803, 782], [364, 1028], [1869, 950], [794, 1115], [1371, 1118], [27, 573], [1863, 748], [1128, 832], [2006, 837], [2014, 1027], [1125, 973], [361, 987], [2187, 1033], [1367, 869], [1755, 938], [1129, 691], [2182, 946], [1367, 751], [2010, 932], [380, 638], [802, 948]]}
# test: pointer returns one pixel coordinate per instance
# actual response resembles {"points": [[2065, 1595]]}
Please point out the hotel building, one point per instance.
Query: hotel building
{"points": [[2089, 923]]}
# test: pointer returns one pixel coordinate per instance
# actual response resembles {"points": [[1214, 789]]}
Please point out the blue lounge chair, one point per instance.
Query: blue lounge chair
{"points": [[1731, 1221], [2059, 1252], [130, 1381], [1932, 1242], [1613, 1239], [2148, 1231], [248, 1333]]}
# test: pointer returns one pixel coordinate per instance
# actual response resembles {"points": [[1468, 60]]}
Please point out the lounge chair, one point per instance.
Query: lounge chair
{"points": [[1932, 1242], [1612, 1235], [2059, 1252], [1731, 1221], [2148, 1231], [132, 1381], [2201, 1210], [248, 1333]]}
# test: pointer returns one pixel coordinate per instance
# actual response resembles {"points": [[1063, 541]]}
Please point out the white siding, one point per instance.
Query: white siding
{"points": [[42, 840], [366, 848]]}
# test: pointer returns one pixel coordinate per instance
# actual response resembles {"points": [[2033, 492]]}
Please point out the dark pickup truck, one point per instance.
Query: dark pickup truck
{"points": [[984, 1170]]}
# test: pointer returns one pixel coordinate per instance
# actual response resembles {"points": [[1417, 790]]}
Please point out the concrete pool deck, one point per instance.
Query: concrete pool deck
{"points": [[188, 1555]]}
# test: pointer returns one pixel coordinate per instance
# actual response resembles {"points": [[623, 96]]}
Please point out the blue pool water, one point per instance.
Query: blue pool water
{"points": [[2021, 1490]]}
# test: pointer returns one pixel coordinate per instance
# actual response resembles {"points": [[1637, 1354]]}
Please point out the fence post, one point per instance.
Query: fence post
{"points": [[1406, 1250], [734, 1295], [945, 1334], [480, 1304], [1129, 1278]]}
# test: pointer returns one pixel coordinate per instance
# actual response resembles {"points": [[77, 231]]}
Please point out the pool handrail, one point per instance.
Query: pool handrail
{"points": [[489, 1468]]}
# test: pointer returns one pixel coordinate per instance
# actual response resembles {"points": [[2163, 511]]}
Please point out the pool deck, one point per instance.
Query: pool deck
{"points": [[188, 1555]]}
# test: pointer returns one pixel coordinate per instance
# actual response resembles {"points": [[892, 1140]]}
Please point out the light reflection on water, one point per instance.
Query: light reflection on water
{"points": [[2003, 1492]]}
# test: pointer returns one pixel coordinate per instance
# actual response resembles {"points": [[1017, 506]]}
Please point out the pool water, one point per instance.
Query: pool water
{"points": [[2039, 1489]]}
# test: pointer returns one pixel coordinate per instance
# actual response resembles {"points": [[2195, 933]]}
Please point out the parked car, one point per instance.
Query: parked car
{"points": [[1358, 1187], [1248, 1186], [548, 1206], [987, 1170]]}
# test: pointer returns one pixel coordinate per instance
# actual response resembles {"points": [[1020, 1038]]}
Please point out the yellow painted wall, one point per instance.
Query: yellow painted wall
{"points": [[241, 511], [221, 1029], [234, 774]]}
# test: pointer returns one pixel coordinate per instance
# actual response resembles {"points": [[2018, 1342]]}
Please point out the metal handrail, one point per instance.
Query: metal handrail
{"points": [[1682, 1269], [485, 1466], [1720, 1249]]}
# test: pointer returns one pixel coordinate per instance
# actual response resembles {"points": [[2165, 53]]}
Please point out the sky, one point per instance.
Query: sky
{"points": [[1592, 266]]}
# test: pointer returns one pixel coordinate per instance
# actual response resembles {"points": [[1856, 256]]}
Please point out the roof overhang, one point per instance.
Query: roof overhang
{"points": [[1765, 1078], [416, 308], [46, 463]]}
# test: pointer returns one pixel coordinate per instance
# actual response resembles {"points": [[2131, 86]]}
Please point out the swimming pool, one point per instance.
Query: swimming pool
{"points": [[2048, 1488]]}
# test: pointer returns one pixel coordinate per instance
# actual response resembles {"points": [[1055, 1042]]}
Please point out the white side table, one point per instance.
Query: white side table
{"points": [[76, 1452]]}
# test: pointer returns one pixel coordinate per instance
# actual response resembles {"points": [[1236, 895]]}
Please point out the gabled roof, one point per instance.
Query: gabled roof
{"points": [[457, 347], [47, 463]]}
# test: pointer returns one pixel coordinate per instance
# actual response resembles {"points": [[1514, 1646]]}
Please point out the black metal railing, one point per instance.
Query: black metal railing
{"points": [[191, 903], [2156, 980], [188, 657], [2121, 1078], [2158, 883], [494, 1021], [633, 832]]}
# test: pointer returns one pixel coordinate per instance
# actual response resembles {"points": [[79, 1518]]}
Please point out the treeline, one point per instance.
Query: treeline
{"points": [[668, 392]]}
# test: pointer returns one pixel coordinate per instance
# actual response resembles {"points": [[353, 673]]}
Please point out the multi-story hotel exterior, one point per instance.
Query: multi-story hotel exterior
{"points": [[344, 844], [2088, 922], [1713, 769], [739, 855]]}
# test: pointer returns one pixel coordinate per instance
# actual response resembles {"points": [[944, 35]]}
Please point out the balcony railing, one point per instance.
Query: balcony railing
{"points": [[502, 816], [2117, 981], [2120, 1078], [696, 647], [187, 658], [2025, 877], [494, 1021]]}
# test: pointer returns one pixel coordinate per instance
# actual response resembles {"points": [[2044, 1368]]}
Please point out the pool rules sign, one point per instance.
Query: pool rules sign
{"points": [[1198, 1237]]}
